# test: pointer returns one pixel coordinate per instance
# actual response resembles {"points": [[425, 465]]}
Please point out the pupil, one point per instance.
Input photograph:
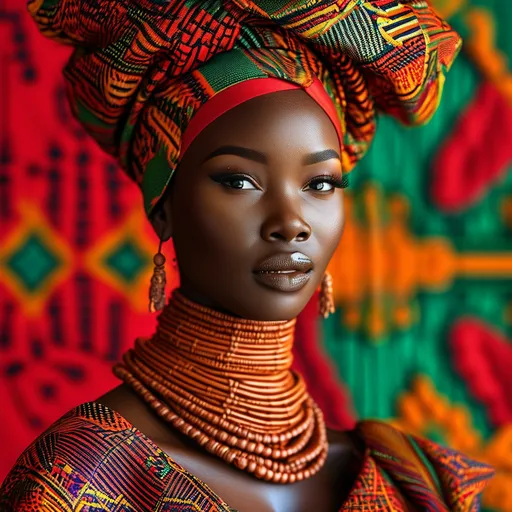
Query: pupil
{"points": [[238, 183]]}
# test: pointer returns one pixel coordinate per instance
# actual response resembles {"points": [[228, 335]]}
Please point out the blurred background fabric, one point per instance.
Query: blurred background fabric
{"points": [[422, 277]]}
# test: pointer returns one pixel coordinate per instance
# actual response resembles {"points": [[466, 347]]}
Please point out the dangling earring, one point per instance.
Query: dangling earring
{"points": [[157, 287], [326, 296]]}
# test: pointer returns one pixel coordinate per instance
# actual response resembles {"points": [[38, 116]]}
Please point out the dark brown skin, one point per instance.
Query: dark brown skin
{"points": [[324, 492], [221, 229], [221, 233]]}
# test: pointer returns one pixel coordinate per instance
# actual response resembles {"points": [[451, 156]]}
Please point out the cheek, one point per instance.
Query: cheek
{"points": [[215, 227], [329, 222]]}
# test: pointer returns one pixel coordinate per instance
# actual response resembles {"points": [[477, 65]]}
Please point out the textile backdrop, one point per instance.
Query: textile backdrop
{"points": [[422, 275]]}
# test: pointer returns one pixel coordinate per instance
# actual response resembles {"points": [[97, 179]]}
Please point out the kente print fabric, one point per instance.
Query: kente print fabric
{"points": [[141, 69], [422, 335], [66, 470]]}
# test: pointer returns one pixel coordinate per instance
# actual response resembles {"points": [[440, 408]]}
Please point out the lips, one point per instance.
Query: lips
{"points": [[285, 272]]}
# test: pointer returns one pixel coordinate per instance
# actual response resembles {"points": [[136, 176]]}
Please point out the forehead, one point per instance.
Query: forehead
{"points": [[281, 121]]}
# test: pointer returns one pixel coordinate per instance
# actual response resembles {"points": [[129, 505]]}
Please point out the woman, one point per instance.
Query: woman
{"points": [[256, 111]]}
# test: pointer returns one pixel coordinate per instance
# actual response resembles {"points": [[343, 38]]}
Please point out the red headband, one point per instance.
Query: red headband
{"points": [[244, 91]]}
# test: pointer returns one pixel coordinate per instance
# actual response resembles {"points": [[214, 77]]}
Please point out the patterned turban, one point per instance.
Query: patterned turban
{"points": [[142, 69]]}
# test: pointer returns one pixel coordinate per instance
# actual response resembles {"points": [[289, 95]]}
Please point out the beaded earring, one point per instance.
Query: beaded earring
{"points": [[158, 280], [326, 296]]}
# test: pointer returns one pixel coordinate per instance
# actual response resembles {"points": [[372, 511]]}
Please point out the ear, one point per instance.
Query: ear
{"points": [[161, 218]]}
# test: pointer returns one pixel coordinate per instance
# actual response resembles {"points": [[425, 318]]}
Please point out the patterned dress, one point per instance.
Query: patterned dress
{"points": [[93, 459]]}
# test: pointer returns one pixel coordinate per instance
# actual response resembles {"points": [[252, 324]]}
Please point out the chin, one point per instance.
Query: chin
{"points": [[273, 306]]}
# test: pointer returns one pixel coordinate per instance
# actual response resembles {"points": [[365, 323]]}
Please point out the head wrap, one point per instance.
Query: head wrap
{"points": [[142, 69]]}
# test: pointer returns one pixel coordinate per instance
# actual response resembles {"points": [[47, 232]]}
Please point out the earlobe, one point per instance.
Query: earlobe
{"points": [[161, 219]]}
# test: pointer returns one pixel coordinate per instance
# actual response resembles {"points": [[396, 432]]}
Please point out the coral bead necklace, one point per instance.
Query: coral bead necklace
{"points": [[227, 383]]}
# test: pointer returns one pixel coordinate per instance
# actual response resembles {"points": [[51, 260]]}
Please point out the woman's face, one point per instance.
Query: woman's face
{"points": [[255, 211]]}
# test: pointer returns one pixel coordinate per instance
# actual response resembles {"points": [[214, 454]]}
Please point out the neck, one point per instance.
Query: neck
{"points": [[221, 343], [227, 382], [223, 356]]}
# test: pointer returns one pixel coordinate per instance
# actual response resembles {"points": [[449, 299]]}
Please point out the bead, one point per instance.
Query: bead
{"points": [[227, 384], [230, 456], [260, 472], [159, 259], [241, 463]]}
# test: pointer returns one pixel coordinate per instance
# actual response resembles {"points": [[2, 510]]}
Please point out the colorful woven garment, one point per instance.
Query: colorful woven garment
{"points": [[92, 458], [143, 68]]}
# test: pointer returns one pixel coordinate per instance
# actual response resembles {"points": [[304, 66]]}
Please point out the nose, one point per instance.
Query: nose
{"points": [[285, 224]]}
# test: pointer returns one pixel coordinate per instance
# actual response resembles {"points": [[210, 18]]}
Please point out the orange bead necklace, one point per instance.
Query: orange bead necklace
{"points": [[227, 383]]}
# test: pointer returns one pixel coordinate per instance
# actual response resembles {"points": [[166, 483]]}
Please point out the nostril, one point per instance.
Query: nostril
{"points": [[277, 236], [300, 237]]}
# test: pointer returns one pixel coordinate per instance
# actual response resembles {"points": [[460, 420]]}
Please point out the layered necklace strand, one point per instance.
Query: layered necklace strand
{"points": [[227, 383]]}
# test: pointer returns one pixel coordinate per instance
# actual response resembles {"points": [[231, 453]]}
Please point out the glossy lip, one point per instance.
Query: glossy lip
{"points": [[285, 272]]}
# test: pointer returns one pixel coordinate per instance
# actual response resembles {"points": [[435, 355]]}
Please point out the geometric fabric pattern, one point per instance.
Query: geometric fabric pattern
{"points": [[422, 277], [161, 62], [67, 469]]}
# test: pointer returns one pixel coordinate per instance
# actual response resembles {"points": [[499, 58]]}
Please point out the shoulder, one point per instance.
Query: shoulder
{"points": [[64, 458], [95, 457], [448, 475], [130, 406]]}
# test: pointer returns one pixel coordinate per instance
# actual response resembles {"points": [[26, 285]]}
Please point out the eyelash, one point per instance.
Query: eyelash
{"points": [[224, 179], [335, 181]]}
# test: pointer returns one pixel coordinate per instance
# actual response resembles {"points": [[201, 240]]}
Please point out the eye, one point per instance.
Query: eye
{"points": [[239, 183], [236, 181], [325, 184], [321, 186]]}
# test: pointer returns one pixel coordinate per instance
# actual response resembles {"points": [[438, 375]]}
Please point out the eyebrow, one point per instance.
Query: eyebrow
{"points": [[250, 154], [320, 156], [256, 156]]}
